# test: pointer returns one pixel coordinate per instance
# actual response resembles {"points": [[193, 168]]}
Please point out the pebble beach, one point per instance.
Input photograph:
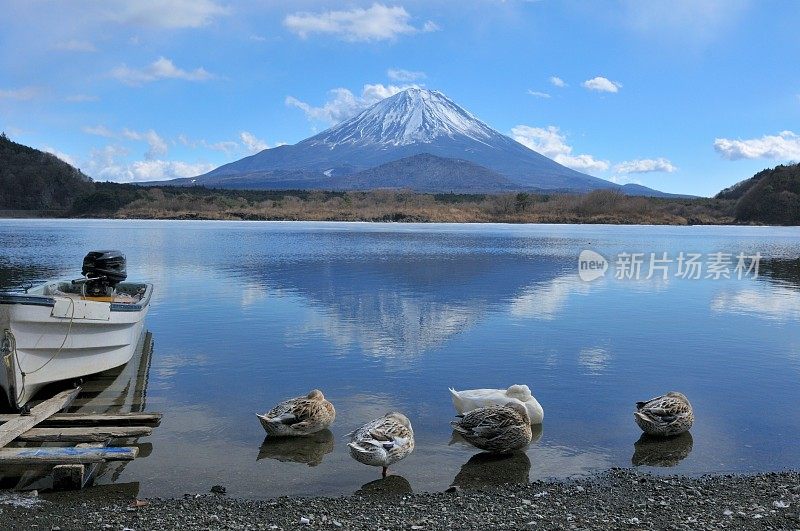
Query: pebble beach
{"points": [[616, 499]]}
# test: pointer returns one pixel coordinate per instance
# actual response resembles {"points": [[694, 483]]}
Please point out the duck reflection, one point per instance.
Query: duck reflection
{"points": [[391, 485], [658, 451], [487, 469], [309, 449]]}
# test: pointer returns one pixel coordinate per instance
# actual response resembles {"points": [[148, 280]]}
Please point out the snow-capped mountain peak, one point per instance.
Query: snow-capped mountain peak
{"points": [[411, 116], [417, 137]]}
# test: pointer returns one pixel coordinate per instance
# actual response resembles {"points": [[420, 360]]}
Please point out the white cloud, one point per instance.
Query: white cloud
{"points": [[151, 170], [172, 14], [225, 146], [551, 143], [376, 23], [99, 130], [602, 84], [343, 104], [645, 166], [247, 143], [398, 74], [557, 82], [103, 161], [63, 156], [783, 146], [229, 147], [253, 144], [161, 68], [76, 45], [158, 147], [104, 165], [20, 94], [538, 94]]}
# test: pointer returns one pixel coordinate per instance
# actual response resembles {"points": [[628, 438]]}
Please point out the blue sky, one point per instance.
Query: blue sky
{"points": [[686, 96]]}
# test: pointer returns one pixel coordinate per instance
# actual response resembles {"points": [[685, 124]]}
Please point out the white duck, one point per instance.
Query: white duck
{"points": [[469, 399]]}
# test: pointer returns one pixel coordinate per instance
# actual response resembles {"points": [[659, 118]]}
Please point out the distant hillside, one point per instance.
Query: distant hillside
{"points": [[31, 179], [429, 173], [770, 196]]}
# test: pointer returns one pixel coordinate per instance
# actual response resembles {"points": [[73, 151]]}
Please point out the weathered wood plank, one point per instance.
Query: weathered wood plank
{"points": [[83, 434], [104, 402], [65, 455], [22, 423], [90, 469], [95, 419]]}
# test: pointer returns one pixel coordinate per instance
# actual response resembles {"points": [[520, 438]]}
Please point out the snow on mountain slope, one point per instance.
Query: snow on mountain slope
{"points": [[412, 122], [411, 116]]}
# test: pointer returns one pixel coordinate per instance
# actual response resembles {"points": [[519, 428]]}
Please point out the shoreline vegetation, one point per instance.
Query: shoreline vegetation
{"points": [[118, 201], [616, 499], [37, 184], [133, 202]]}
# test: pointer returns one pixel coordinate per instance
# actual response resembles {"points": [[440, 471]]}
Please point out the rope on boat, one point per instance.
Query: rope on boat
{"points": [[57, 352]]}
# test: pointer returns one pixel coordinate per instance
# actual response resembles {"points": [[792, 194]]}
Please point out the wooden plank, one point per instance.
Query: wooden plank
{"points": [[90, 469], [95, 419], [106, 400], [22, 423], [65, 455], [84, 434]]}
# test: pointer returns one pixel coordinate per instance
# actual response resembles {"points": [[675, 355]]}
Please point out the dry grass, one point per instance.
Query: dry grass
{"points": [[388, 205]]}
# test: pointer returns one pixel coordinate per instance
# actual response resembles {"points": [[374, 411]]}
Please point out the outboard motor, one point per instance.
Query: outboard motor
{"points": [[103, 271]]}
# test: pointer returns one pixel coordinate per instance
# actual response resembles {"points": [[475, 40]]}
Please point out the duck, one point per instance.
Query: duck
{"points": [[496, 429], [299, 416], [467, 400], [665, 416], [383, 441]]}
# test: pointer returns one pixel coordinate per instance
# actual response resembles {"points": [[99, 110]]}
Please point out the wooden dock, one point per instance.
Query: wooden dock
{"points": [[79, 443]]}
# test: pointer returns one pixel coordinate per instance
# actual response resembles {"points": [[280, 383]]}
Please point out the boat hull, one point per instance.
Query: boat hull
{"points": [[49, 338]]}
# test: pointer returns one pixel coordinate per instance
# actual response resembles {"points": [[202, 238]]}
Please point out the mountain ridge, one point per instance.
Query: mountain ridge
{"points": [[409, 123], [34, 179]]}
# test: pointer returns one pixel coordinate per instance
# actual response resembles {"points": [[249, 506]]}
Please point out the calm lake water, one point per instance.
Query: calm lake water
{"points": [[386, 317]]}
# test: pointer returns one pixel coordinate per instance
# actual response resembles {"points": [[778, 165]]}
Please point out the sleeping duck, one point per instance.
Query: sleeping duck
{"points": [[498, 429], [467, 400], [303, 415], [665, 415], [383, 441]]}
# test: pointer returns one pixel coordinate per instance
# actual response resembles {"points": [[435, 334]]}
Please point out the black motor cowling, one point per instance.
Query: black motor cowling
{"points": [[104, 269]]}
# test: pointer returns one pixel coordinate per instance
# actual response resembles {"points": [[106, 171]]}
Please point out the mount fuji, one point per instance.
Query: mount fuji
{"points": [[383, 147]]}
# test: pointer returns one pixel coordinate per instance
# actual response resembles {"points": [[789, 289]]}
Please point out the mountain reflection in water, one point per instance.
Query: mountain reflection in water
{"points": [[404, 307], [386, 317]]}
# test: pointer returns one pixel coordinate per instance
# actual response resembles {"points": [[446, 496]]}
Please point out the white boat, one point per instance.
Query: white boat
{"points": [[68, 329]]}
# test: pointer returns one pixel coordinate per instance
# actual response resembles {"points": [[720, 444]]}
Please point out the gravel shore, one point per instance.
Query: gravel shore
{"points": [[617, 499]]}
